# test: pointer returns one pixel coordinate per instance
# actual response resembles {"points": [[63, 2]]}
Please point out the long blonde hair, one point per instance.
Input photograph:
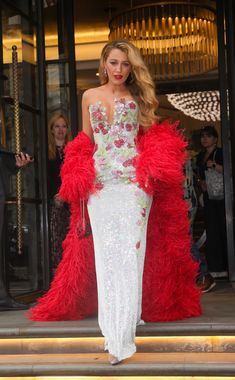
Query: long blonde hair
{"points": [[51, 139], [139, 82]]}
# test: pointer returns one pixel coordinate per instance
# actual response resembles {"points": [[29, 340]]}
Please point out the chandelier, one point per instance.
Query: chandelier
{"points": [[201, 105], [176, 39]]}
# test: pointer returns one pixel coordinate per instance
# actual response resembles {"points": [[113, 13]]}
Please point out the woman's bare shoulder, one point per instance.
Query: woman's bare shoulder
{"points": [[93, 94]]}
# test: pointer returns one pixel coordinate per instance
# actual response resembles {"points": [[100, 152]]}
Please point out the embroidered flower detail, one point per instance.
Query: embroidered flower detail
{"points": [[117, 173], [128, 162], [132, 105], [119, 159], [97, 115], [102, 161], [119, 143], [97, 130], [128, 127], [108, 147], [143, 212], [99, 186], [137, 245], [102, 128]]}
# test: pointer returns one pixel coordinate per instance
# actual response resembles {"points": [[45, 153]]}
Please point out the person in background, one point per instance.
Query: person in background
{"points": [[204, 280], [214, 211], [58, 136], [9, 164]]}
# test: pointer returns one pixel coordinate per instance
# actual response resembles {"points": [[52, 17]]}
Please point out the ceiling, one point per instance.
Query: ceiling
{"points": [[91, 18], [91, 15], [91, 23], [90, 12]]}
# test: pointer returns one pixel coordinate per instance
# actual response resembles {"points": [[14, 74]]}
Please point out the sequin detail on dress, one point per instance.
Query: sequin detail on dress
{"points": [[118, 214]]}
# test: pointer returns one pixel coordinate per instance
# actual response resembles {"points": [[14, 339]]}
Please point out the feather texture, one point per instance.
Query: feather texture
{"points": [[77, 172]]}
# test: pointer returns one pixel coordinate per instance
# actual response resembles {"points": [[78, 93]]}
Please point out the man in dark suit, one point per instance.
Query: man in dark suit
{"points": [[9, 164]]}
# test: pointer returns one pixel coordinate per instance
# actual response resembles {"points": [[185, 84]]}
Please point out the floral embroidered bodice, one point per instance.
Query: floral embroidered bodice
{"points": [[115, 140]]}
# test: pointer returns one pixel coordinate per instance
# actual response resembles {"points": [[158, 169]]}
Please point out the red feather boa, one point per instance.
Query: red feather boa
{"points": [[169, 289]]}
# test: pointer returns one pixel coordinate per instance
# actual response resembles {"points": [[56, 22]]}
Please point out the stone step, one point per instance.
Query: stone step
{"points": [[141, 365], [20, 346], [141, 377], [14, 327]]}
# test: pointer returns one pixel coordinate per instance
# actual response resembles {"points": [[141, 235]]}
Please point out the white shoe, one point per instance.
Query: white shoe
{"points": [[140, 323], [113, 360]]}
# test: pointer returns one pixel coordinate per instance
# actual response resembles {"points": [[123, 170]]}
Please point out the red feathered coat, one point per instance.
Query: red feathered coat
{"points": [[169, 290]]}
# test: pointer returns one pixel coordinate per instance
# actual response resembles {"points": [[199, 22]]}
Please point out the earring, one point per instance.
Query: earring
{"points": [[105, 73], [131, 78]]}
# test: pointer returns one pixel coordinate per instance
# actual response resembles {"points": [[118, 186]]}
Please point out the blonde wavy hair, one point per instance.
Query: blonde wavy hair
{"points": [[139, 81], [51, 139]]}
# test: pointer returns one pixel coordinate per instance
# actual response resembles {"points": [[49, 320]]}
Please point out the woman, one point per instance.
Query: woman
{"points": [[121, 170], [58, 136], [119, 212], [214, 212]]}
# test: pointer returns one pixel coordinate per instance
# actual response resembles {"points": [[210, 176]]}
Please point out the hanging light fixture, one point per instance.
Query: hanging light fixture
{"points": [[201, 105], [176, 40]]}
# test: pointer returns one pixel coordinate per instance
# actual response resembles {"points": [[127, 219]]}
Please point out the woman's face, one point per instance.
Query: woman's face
{"points": [[207, 141], [117, 66], [60, 129]]}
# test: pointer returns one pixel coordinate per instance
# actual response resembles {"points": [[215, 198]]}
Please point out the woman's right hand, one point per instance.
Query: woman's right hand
{"points": [[210, 164], [58, 202]]}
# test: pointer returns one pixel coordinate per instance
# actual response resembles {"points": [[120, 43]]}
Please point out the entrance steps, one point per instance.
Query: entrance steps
{"points": [[165, 351], [200, 348]]}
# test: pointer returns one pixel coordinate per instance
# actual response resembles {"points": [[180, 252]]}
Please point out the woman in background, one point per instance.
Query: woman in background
{"points": [[58, 136], [214, 212]]}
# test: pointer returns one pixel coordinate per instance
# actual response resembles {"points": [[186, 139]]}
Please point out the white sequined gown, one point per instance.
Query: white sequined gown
{"points": [[118, 213]]}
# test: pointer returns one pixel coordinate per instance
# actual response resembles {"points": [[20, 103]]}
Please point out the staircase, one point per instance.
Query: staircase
{"points": [[196, 349], [72, 350]]}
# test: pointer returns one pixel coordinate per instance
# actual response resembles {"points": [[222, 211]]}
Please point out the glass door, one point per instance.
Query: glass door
{"points": [[26, 268]]}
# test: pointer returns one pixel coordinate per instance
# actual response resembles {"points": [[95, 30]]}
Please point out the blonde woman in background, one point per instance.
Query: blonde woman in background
{"points": [[58, 136]]}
